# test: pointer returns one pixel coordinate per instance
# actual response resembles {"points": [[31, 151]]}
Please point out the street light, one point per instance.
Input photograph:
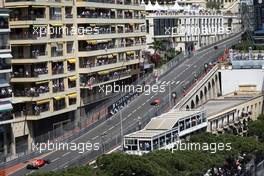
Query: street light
{"points": [[174, 97], [139, 122], [205, 66], [102, 143]]}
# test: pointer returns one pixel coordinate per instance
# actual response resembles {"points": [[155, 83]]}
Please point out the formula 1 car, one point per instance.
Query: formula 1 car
{"points": [[38, 163]]}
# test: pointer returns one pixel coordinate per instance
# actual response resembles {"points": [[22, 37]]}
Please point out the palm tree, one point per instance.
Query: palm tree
{"points": [[157, 45]]}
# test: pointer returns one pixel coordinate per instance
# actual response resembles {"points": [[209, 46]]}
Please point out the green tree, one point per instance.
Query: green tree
{"points": [[157, 46]]}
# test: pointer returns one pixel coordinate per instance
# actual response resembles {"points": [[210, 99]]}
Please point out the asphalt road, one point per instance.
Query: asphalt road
{"points": [[138, 108]]}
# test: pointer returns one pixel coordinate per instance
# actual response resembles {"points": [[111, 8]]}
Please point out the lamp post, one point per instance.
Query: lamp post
{"points": [[102, 143], [174, 97]]}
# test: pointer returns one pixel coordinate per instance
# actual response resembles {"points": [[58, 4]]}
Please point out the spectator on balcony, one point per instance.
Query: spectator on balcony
{"points": [[36, 110]]}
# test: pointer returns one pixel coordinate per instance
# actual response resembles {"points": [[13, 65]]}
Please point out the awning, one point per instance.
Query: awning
{"points": [[73, 95], [92, 25], [110, 56], [25, 6], [92, 42], [36, 6], [102, 41], [43, 101], [5, 56], [103, 72], [129, 52], [42, 82], [19, 26], [58, 97], [40, 25], [72, 78], [72, 60], [111, 70], [56, 24], [6, 107], [115, 54]]}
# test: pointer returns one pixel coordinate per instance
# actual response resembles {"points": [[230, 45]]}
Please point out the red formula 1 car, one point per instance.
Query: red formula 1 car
{"points": [[37, 164]]}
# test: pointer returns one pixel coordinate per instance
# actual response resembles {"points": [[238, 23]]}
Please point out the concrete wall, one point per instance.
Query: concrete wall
{"points": [[231, 79]]}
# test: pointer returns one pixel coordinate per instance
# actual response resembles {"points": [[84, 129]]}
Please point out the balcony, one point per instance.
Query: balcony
{"points": [[55, 17], [5, 67], [104, 15], [25, 36], [4, 24], [57, 53], [101, 1], [24, 73], [27, 17], [5, 47], [107, 78], [33, 56], [5, 92], [34, 91], [59, 103], [56, 1], [5, 116]]}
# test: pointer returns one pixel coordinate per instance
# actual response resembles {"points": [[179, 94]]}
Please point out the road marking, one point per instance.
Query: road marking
{"points": [[65, 166], [111, 128], [134, 111], [94, 137], [168, 82], [66, 154], [164, 82], [172, 82], [143, 103], [54, 160], [129, 115], [177, 82]]}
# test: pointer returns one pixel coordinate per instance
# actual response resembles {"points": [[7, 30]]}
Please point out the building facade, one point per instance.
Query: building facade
{"points": [[5, 89], [190, 30], [62, 51]]}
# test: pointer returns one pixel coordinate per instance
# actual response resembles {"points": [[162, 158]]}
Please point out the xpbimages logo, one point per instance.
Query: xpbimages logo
{"points": [[72, 146], [147, 89]]}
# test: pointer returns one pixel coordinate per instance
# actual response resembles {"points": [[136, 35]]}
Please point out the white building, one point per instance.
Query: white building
{"points": [[187, 28]]}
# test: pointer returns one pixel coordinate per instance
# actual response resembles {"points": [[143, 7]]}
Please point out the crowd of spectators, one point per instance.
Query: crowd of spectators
{"points": [[58, 86], [32, 91], [5, 92], [234, 168], [57, 68], [22, 72]]}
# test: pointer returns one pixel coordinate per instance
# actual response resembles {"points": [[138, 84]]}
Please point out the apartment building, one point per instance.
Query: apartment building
{"points": [[188, 28], [5, 89], [62, 51]]}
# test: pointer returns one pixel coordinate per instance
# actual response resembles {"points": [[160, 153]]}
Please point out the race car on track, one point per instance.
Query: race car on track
{"points": [[37, 164]]}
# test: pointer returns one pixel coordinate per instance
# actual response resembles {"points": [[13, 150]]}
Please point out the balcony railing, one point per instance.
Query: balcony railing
{"points": [[107, 78], [27, 36], [5, 92], [56, 71], [33, 55], [5, 66], [57, 1], [58, 89], [101, 1], [31, 92], [96, 15], [57, 54], [28, 74], [26, 18], [5, 47], [6, 116], [110, 46]]}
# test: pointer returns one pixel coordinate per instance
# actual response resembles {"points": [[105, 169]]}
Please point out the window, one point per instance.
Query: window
{"points": [[4, 41], [4, 23]]}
